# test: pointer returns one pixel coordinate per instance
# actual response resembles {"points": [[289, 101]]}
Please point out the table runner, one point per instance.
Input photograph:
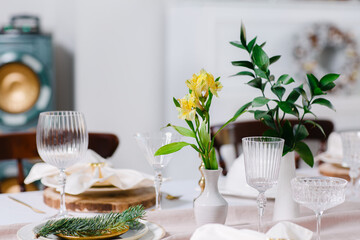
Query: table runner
{"points": [[342, 222]]}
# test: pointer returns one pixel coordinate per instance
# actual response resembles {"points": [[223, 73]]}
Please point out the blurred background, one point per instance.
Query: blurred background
{"points": [[121, 61]]}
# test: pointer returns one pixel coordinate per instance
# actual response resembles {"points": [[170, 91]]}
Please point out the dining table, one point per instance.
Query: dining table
{"points": [[176, 219]]}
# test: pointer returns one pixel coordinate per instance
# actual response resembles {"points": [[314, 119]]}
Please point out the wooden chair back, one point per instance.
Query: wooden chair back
{"points": [[22, 145], [234, 132]]}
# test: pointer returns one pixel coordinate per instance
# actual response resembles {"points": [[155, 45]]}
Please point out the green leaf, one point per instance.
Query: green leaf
{"points": [[251, 45], [288, 136], [260, 73], [305, 153], [316, 125], [274, 59], [268, 121], [301, 132], [197, 122], [260, 101], [271, 133], [328, 87], [244, 73], [237, 44], [246, 64], [217, 79], [256, 83], [195, 148], [324, 102], [190, 124], [285, 79], [314, 85], [258, 114], [208, 102], [204, 135], [176, 102], [263, 44], [260, 58], [301, 91], [328, 78], [183, 131], [201, 114], [289, 108], [213, 160], [240, 111], [286, 150], [243, 35], [171, 148], [278, 91], [293, 96]]}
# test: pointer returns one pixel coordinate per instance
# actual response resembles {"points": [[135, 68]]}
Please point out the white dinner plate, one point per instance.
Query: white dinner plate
{"points": [[149, 231]]}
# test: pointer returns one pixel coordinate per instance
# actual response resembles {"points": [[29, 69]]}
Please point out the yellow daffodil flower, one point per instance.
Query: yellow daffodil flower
{"points": [[187, 107]]}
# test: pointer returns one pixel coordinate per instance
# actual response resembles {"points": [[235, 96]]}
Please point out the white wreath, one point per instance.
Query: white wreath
{"points": [[324, 48]]}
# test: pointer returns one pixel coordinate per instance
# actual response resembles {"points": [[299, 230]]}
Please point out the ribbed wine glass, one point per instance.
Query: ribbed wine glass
{"points": [[262, 164], [149, 143], [318, 194], [62, 140], [351, 158]]}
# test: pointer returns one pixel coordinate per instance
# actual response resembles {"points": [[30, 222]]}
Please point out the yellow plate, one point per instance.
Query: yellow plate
{"points": [[110, 235]]}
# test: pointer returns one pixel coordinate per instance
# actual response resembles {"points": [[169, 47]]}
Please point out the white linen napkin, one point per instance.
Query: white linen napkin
{"points": [[235, 183], [92, 171], [282, 230], [334, 151]]}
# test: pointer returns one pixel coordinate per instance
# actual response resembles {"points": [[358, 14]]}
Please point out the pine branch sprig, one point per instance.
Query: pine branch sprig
{"points": [[93, 226]]}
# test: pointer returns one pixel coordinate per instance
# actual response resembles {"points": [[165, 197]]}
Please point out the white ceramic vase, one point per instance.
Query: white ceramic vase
{"points": [[285, 207], [210, 206]]}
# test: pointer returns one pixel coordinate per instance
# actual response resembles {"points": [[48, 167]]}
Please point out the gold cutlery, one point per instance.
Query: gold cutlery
{"points": [[27, 205], [171, 197]]}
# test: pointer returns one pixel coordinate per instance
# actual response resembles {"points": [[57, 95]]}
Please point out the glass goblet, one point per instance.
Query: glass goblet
{"points": [[351, 158], [149, 144], [262, 164], [62, 141], [318, 194]]}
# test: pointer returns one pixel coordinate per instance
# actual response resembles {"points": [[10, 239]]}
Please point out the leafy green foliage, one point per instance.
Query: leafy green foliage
{"points": [[93, 226], [273, 110]]}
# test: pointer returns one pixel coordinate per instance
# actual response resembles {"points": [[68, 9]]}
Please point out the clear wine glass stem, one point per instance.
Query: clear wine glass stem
{"points": [[62, 182], [157, 183], [353, 173], [261, 202], [318, 224]]}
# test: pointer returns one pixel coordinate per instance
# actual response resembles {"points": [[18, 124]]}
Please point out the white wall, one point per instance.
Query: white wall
{"points": [[119, 71]]}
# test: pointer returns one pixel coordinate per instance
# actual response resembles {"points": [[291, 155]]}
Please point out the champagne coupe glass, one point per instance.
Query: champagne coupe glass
{"points": [[62, 141], [351, 158], [262, 164], [318, 194], [149, 144]]}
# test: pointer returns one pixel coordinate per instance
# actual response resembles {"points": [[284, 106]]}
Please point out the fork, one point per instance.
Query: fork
{"points": [[27, 205]]}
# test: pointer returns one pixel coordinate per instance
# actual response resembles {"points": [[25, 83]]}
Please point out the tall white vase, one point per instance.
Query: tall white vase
{"points": [[210, 206], [285, 207]]}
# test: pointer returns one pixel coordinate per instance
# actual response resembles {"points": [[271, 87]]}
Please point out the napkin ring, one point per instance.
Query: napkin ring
{"points": [[99, 166]]}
